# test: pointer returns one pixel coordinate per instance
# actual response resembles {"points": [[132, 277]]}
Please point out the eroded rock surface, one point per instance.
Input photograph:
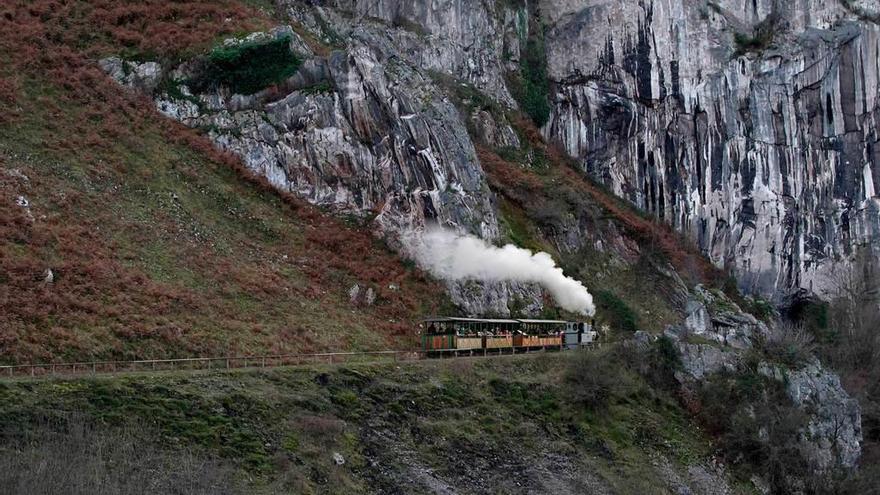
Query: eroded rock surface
{"points": [[834, 433], [750, 126], [718, 336], [767, 160]]}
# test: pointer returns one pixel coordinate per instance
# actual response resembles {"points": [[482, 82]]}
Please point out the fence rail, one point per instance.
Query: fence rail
{"points": [[239, 362], [206, 363]]}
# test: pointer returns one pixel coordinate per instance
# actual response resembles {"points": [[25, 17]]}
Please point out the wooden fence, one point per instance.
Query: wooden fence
{"points": [[238, 362], [208, 363]]}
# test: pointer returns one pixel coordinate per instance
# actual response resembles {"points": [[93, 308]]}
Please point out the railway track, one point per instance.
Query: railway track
{"points": [[93, 368]]}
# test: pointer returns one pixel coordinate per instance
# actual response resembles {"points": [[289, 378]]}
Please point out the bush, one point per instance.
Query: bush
{"points": [[532, 87], [616, 312], [550, 215], [758, 426], [663, 360], [248, 67], [760, 38], [790, 344], [758, 307], [591, 379], [812, 314]]}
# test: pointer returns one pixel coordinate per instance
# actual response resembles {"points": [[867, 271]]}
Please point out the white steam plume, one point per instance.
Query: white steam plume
{"points": [[453, 256]]}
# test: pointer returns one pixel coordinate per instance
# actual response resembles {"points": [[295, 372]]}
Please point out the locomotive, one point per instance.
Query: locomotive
{"points": [[452, 335]]}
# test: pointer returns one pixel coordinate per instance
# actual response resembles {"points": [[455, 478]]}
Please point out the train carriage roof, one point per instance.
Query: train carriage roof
{"points": [[543, 322], [441, 319]]}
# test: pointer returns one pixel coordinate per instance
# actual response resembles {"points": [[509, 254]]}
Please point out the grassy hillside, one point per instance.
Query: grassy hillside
{"points": [[158, 245], [528, 424]]}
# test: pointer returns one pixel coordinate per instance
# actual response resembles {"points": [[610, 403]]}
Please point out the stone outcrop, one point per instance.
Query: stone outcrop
{"points": [[715, 338], [699, 361], [143, 76], [374, 138], [711, 315], [834, 432]]}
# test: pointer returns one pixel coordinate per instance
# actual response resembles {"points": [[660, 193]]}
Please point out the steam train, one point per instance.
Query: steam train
{"points": [[445, 335]]}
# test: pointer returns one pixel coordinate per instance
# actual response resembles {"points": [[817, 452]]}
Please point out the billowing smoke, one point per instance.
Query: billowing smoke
{"points": [[453, 256]]}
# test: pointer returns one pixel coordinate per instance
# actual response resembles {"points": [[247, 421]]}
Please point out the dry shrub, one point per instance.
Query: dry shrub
{"points": [[321, 426], [591, 379], [790, 343]]}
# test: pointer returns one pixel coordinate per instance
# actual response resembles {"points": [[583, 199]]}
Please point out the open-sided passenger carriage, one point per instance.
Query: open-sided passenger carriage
{"points": [[450, 335]]}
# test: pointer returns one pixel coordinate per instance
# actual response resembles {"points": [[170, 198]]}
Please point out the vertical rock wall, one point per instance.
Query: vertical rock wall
{"points": [[768, 162]]}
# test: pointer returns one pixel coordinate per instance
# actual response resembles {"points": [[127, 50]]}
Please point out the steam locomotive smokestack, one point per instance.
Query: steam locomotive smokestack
{"points": [[453, 256]]}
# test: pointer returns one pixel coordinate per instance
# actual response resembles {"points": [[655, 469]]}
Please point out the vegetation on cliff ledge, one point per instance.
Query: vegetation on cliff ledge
{"points": [[246, 67]]}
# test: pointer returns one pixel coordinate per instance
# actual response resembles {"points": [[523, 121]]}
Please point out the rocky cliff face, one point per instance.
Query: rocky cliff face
{"points": [[749, 126], [360, 132], [364, 129], [768, 161], [718, 337]]}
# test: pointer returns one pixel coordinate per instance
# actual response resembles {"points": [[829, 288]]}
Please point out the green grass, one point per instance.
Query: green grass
{"points": [[615, 312], [518, 227]]}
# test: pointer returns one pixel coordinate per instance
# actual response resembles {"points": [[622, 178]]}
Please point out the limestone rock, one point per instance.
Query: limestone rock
{"points": [[764, 159], [701, 360], [143, 76], [496, 298], [834, 433], [354, 293], [713, 316], [495, 134], [697, 320]]}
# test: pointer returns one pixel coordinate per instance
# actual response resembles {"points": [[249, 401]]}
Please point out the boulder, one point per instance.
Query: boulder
{"points": [[701, 360]]}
